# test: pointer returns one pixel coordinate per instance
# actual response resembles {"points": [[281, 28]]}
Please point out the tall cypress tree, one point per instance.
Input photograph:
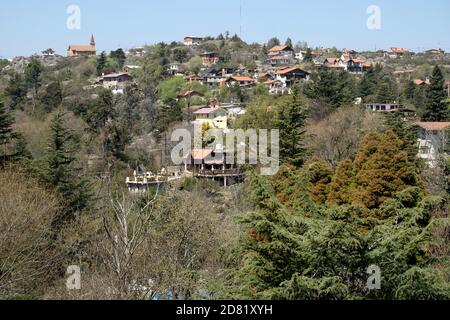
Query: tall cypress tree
{"points": [[292, 118], [435, 107]]}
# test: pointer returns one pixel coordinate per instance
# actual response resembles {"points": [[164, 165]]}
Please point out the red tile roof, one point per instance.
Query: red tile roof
{"points": [[434, 126], [289, 70], [242, 78], [81, 48], [279, 48], [200, 154]]}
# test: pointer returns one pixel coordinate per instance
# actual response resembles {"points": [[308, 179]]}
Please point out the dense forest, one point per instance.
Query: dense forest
{"points": [[350, 194]]}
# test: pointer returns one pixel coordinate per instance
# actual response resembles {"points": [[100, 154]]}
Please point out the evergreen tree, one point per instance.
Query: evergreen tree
{"points": [[298, 251], [102, 62], [273, 42], [435, 107], [33, 77], [60, 171], [405, 131], [118, 56], [308, 55], [102, 111], [292, 117], [6, 131], [289, 43], [382, 169], [52, 97], [16, 90]]}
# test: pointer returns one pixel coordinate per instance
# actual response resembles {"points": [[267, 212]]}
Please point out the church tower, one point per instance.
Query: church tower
{"points": [[92, 40]]}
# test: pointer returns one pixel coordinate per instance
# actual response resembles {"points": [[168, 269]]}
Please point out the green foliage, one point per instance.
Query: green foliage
{"points": [[101, 111], [168, 89], [52, 97], [101, 63], [59, 170], [380, 170], [119, 57], [405, 131], [33, 73], [330, 87], [309, 253], [435, 107], [292, 116], [16, 90]]}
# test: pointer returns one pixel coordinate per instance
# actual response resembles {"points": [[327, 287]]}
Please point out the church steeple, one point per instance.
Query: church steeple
{"points": [[92, 40]]}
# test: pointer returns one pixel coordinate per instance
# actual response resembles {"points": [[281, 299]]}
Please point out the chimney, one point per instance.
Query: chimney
{"points": [[214, 102]]}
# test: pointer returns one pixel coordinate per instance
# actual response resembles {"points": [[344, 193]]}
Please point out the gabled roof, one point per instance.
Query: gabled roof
{"points": [[200, 154], [208, 110], [116, 75], [280, 48], [241, 78], [82, 48], [289, 70], [419, 82], [434, 126]]}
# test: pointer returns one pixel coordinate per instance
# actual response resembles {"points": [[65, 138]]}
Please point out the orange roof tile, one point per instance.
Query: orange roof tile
{"points": [[279, 48], [434, 126]]}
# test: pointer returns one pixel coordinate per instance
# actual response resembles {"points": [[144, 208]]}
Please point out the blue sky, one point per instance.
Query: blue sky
{"points": [[29, 26]]}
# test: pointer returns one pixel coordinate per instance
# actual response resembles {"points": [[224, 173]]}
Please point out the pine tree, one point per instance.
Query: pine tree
{"points": [[382, 169], [33, 77], [102, 62], [405, 131], [435, 107], [308, 55], [6, 131], [60, 171], [291, 122], [288, 43]]}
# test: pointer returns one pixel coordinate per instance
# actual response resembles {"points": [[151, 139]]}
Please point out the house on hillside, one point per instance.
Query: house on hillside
{"points": [[281, 56], [276, 87], [241, 81], [435, 51], [192, 41], [347, 63], [397, 52], [384, 107], [214, 163], [213, 115], [209, 58], [290, 75], [75, 50], [136, 52], [116, 82], [433, 137], [189, 94]]}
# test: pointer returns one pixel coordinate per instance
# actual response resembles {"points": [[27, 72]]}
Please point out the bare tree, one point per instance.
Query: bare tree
{"points": [[336, 138], [126, 226], [28, 259]]}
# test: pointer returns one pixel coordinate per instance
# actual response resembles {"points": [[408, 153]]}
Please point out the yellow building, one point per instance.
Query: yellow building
{"points": [[214, 116]]}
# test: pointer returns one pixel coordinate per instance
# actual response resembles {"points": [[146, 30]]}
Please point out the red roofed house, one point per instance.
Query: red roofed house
{"points": [[432, 140], [209, 58], [288, 76], [242, 81], [192, 41], [82, 50], [397, 52], [281, 56], [213, 115]]}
